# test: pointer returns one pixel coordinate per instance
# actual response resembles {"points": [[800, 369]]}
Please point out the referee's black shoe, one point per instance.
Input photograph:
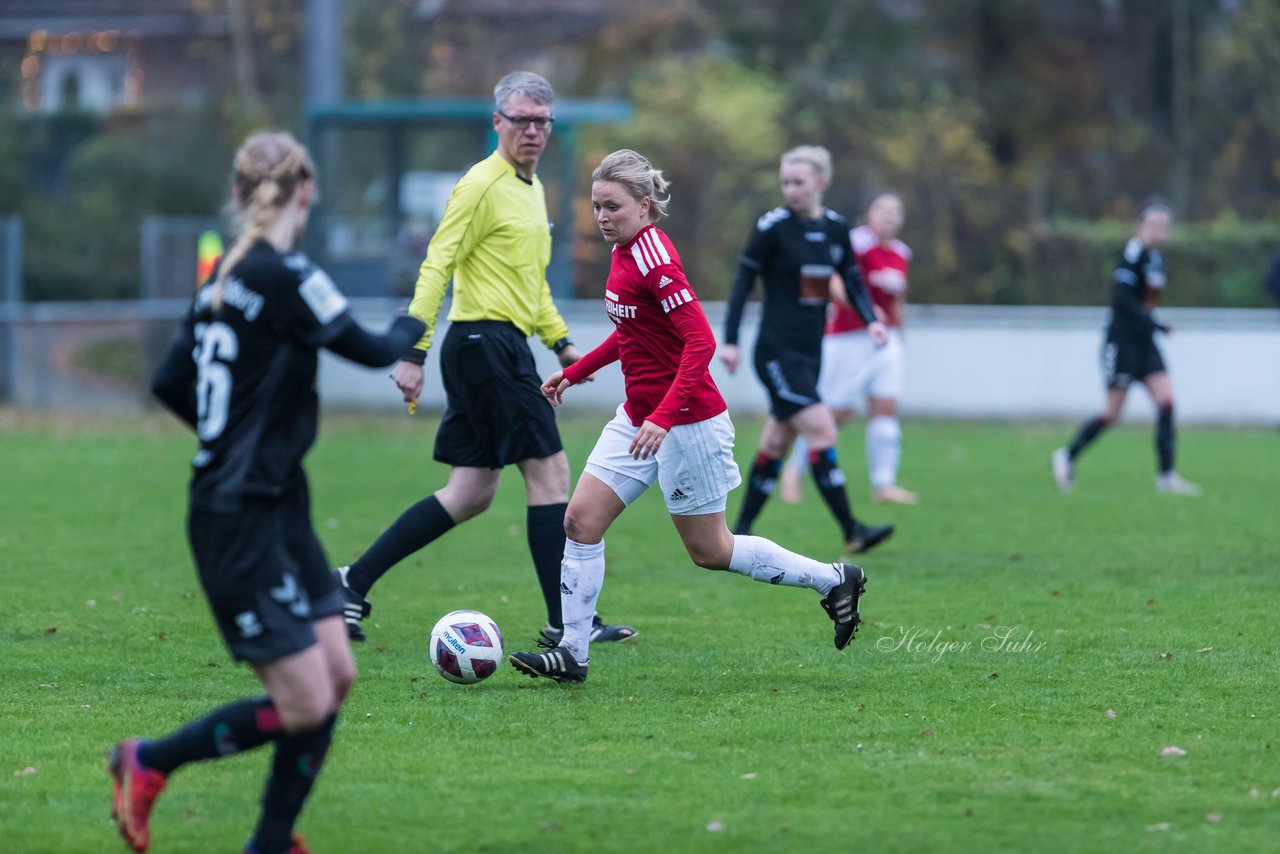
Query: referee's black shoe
{"points": [[354, 606], [841, 604], [867, 537]]}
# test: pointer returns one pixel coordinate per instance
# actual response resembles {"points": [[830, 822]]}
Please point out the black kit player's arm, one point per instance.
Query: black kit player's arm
{"points": [[377, 351], [742, 284], [174, 382], [1129, 304], [750, 266], [856, 290]]}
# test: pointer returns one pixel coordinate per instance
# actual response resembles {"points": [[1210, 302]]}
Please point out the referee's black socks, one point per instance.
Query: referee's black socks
{"points": [[544, 526], [419, 525]]}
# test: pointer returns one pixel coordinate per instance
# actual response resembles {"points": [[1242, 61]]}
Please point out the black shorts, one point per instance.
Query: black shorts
{"points": [[790, 379], [265, 575], [496, 413], [1125, 362]]}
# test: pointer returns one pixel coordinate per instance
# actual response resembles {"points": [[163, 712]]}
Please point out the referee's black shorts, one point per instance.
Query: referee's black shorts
{"points": [[496, 413], [791, 380]]}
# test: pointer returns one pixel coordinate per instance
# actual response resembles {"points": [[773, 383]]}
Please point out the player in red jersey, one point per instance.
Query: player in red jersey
{"points": [[672, 428], [854, 368]]}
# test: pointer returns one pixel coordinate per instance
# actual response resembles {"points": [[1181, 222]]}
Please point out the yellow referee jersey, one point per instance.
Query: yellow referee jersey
{"points": [[495, 242]]}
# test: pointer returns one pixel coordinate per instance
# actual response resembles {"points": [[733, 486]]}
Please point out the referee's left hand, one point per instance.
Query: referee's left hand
{"points": [[647, 441]]}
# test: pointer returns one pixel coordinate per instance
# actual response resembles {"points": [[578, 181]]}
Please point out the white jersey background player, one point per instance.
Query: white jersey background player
{"points": [[854, 368]]}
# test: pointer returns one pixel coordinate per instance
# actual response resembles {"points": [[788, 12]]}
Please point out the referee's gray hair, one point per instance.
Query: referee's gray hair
{"points": [[815, 155], [635, 174], [532, 86]]}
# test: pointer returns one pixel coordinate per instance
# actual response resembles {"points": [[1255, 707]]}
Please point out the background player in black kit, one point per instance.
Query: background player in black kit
{"points": [[241, 372], [1130, 352], [796, 249]]}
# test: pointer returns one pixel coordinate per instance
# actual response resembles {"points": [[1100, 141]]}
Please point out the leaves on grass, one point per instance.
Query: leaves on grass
{"points": [[927, 731], [1173, 750], [993, 675], [52, 630], [1111, 713]]}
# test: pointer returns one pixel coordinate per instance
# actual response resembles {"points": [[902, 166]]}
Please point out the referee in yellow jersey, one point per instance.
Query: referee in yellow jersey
{"points": [[494, 241]]}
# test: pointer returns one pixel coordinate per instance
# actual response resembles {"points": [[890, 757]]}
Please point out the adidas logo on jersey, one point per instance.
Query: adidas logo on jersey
{"points": [[664, 281], [678, 494]]}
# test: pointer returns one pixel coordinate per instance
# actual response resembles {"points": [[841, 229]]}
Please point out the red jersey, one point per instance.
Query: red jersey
{"points": [[884, 268], [661, 336]]}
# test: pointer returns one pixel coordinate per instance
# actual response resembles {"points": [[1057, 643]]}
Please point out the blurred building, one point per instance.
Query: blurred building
{"points": [[99, 55]]}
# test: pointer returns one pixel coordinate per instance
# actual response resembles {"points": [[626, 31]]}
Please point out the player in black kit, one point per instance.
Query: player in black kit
{"points": [[241, 372], [1130, 353], [797, 249]]}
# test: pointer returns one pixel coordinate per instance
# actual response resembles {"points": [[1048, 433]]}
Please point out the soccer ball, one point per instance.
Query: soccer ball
{"points": [[466, 646]]}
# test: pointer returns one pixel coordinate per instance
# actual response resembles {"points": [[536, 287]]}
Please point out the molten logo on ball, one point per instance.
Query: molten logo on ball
{"points": [[466, 646]]}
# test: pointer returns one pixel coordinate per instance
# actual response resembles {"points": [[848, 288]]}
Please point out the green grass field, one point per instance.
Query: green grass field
{"points": [[731, 724]]}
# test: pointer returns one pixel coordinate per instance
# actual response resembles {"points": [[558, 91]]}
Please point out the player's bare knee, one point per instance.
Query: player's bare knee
{"points": [[305, 711], [472, 504], [580, 528], [344, 676], [709, 555]]}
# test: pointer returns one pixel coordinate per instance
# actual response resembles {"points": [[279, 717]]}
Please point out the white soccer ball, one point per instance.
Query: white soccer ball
{"points": [[466, 646]]}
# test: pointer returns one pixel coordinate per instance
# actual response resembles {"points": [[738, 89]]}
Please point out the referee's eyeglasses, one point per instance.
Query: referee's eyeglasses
{"points": [[541, 123]]}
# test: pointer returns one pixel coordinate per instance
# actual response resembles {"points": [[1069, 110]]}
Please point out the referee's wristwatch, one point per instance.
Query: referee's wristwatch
{"points": [[560, 345]]}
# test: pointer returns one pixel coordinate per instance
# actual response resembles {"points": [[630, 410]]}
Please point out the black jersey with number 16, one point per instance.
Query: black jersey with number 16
{"points": [[253, 372]]}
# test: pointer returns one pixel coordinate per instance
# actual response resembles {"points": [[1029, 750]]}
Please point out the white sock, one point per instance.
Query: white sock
{"points": [[764, 560], [581, 576], [884, 449], [799, 459]]}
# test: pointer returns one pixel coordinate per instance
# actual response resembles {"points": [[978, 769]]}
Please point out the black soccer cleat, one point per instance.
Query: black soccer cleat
{"points": [[354, 606], [867, 537], [601, 632], [841, 604], [558, 664]]}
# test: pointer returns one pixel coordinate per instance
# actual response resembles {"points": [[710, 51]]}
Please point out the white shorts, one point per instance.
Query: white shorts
{"points": [[854, 368], [694, 466]]}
